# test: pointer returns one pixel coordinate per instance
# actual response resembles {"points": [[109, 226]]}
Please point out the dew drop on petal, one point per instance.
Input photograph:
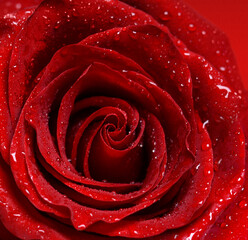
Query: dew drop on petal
{"points": [[223, 69], [27, 191], [133, 34], [82, 226], [205, 146], [117, 36], [74, 12], [179, 43], [57, 25], [227, 89], [243, 204], [41, 230], [133, 16], [191, 27], [207, 172], [218, 52], [165, 16], [98, 10], [18, 6], [112, 19], [15, 68], [224, 225]]}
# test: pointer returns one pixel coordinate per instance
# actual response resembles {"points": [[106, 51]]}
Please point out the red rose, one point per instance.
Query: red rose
{"points": [[119, 120]]}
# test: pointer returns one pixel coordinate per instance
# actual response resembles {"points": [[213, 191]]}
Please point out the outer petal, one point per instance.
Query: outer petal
{"points": [[10, 25], [16, 5], [48, 24], [233, 223], [197, 33], [23, 220]]}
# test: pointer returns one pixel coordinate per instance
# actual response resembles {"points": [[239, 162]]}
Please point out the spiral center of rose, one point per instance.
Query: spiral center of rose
{"points": [[105, 139]]}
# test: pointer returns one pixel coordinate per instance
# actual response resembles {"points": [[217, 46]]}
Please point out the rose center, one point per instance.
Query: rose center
{"points": [[106, 137]]}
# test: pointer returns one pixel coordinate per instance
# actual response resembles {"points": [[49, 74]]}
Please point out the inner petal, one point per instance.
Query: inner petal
{"points": [[106, 162], [94, 149]]}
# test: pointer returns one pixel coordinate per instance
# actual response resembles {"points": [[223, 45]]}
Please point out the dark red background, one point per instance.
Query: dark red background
{"points": [[232, 17], [229, 15]]}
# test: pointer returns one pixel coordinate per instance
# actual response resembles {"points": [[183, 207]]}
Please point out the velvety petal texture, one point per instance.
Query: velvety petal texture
{"points": [[119, 120]]}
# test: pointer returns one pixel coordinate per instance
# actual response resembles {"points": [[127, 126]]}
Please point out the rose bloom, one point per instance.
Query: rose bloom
{"points": [[119, 120]]}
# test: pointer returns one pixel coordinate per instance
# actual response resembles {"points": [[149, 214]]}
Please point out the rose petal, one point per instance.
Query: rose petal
{"points": [[196, 32], [153, 49], [23, 220], [45, 24], [10, 26], [17, 5], [192, 196]]}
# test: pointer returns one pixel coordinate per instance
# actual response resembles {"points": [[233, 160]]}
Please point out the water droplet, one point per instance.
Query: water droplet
{"points": [[165, 16], [112, 19], [133, 16], [117, 36], [18, 6], [227, 89], [181, 87], [207, 172], [243, 204], [82, 226], [15, 68], [205, 123], [26, 190], [3, 145], [57, 25], [229, 217], [191, 27], [218, 52], [28, 140], [98, 10], [141, 145], [224, 225], [179, 43], [223, 69], [133, 34], [205, 146], [30, 120], [74, 13]]}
